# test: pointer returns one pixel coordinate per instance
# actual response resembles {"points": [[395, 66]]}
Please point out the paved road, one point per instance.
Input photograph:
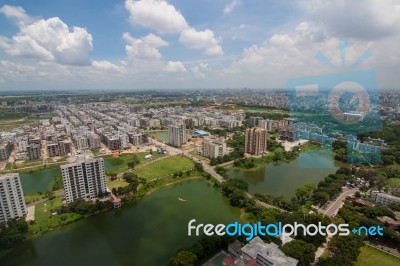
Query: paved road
{"points": [[334, 207]]}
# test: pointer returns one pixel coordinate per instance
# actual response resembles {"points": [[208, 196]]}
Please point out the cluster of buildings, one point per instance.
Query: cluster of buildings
{"points": [[259, 253], [384, 199], [83, 178]]}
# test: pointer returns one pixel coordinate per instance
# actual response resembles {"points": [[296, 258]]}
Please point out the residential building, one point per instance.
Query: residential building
{"points": [[177, 135], [213, 147], [384, 199], [265, 254], [65, 146], [12, 202], [256, 141], [33, 151], [52, 149], [5, 150], [83, 178]]}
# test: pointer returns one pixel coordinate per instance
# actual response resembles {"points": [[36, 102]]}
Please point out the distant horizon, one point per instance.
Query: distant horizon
{"points": [[166, 44]]}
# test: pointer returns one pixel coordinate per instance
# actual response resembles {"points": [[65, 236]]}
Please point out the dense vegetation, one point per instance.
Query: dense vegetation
{"points": [[12, 233]]}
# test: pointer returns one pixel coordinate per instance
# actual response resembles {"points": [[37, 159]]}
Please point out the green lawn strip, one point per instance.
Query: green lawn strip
{"points": [[165, 167], [45, 221], [393, 182], [371, 256], [32, 197], [116, 183], [120, 164]]}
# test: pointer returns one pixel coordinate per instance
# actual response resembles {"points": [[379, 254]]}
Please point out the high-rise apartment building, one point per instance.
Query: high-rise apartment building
{"points": [[83, 178], [256, 141], [177, 135], [12, 202], [213, 147]]}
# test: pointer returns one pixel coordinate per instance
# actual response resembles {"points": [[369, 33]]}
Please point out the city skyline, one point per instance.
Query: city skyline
{"points": [[190, 44]]}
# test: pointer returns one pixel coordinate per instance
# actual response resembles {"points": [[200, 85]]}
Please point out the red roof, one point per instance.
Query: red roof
{"points": [[251, 263]]}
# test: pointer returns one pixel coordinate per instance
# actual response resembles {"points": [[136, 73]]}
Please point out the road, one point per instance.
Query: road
{"points": [[334, 207]]}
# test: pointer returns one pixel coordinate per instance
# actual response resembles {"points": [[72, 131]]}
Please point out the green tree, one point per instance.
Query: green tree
{"points": [[300, 250], [183, 258]]}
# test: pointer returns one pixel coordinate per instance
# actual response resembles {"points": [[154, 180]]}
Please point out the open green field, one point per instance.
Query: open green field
{"points": [[394, 182], [116, 183], [44, 221], [370, 256], [120, 164], [165, 167], [10, 121]]}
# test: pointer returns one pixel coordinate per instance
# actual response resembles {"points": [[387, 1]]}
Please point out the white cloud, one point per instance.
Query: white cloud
{"points": [[107, 66], [175, 67], [157, 15], [200, 71], [163, 17], [145, 48], [368, 19], [231, 6], [194, 39], [49, 39], [16, 13]]}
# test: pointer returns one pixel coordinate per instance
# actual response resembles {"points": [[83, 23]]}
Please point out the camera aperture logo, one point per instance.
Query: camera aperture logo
{"points": [[339, 105], [279, 229]]}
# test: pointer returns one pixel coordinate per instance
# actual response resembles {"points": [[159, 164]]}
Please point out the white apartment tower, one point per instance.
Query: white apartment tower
{"points": [[12, 203], [83, 178], [177, 135]]}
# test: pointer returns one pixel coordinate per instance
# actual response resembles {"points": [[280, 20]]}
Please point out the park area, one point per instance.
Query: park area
{"points": [[165, 167], [119, 164], [370, 256]]}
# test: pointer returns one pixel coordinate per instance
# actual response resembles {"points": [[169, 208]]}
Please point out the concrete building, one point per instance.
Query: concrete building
{"points": [[137, 139], [33, 151], [265, 254], [256, 141], [83, 178], [5, 150], [81, 142], [22, 143], [12, 202], [52, 149], [65, 147], [384, 199], [177, 135], [213, 147]]}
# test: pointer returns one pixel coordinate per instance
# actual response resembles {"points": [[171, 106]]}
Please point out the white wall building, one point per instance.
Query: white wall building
{"points": [[12, 202], [384, 199], [177, 135], [212, 147], [83, 178]]}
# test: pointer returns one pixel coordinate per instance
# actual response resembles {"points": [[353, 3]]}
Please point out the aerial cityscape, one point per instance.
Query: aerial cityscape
{"points": [[225, 155]]}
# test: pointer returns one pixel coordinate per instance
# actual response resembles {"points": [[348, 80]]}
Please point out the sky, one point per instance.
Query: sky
{"points": [[157, 44]]}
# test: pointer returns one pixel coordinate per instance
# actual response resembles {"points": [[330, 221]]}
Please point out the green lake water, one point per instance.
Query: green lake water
{"points": [[39, 180], [146, 233], [284, 178]]}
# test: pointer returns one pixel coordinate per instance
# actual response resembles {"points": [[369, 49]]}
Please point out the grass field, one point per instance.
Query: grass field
{"points": [[120, 164], [165, 167], [371, 257], [394, 182], [116, 183], [44, 221]]}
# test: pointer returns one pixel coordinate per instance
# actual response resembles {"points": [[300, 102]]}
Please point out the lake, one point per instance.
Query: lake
{"points": [[284, 178], [145, 233], [38, 180]]}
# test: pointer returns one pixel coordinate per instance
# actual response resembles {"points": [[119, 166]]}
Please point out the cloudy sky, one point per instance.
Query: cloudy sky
{"points": [[102, 44]]}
